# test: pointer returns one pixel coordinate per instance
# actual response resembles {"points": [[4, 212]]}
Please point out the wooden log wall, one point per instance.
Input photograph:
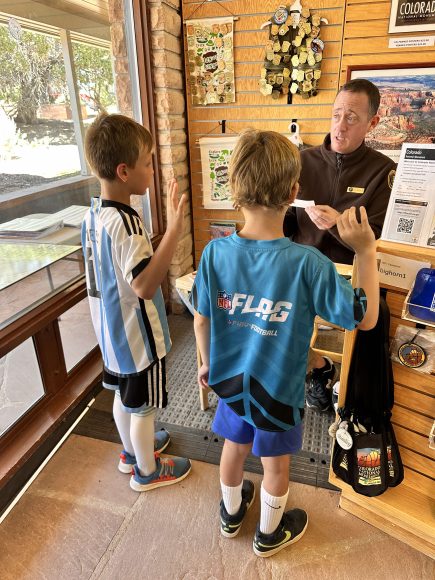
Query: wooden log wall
{"points": [[252, 109]]}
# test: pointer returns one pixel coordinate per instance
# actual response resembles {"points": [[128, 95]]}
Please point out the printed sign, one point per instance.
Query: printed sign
{"points": [[410, 217], [398, 272], [412, 15], [215, 159]]}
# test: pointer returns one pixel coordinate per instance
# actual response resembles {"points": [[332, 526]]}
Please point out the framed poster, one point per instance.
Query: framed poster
{"points": [[407, 109], [215, 159], [412, 16]]}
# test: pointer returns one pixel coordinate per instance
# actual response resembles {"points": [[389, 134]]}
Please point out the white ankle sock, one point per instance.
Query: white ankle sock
{"points": [[142, 438], [272, 508], [232, 497], [122, 422]]}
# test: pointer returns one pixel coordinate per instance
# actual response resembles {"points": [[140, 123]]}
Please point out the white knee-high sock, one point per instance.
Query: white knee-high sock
{"points": [[232, 497], [122, 421], [272, 508], [142, 438]]}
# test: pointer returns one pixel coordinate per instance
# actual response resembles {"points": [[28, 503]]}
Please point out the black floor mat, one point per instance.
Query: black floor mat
{"points": [[190, 428]]}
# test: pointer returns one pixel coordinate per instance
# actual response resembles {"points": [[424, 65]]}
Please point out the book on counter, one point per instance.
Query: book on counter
{"points": [[32, 227], [72, 216]]}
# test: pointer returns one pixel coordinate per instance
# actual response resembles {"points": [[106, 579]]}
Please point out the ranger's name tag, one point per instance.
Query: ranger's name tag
{"points": [[356, 189]]}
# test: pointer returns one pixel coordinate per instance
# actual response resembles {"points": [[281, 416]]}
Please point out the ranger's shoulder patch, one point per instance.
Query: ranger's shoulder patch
{"points": [[390, 178]]}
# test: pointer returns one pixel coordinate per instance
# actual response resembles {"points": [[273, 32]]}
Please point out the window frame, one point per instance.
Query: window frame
{"points": [[139, 12], [65, 391]]}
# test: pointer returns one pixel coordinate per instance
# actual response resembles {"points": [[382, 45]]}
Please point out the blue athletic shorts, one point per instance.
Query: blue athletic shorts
{"points": [[265, 443]]}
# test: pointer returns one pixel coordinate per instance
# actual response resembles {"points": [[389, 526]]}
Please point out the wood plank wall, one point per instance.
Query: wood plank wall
{"points": [[365, 38], [413, 412], [363, 26], [252, 109], [365, 42]]}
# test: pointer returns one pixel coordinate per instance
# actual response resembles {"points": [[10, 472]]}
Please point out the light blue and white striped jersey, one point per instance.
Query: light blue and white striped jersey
{"points": [[132, 332]]}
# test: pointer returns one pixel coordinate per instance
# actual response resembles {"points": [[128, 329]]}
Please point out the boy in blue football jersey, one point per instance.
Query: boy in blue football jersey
{"points": [[123, 280], [256, 294]]}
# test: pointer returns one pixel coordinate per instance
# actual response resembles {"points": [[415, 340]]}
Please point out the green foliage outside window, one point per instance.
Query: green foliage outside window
{"points": [[32, 73]]}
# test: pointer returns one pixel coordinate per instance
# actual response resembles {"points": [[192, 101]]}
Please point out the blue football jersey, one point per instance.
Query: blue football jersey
{"points": [[261, 298]]}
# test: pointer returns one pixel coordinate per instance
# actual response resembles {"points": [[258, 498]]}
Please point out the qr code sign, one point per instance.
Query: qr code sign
{"points": [[404, 226]]}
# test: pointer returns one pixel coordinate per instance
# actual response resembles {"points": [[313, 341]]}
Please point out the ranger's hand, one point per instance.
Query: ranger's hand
{"points": [[323, 216]]}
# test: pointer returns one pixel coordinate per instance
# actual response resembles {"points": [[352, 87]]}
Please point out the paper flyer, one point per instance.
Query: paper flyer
{"points": [[411, 210]]}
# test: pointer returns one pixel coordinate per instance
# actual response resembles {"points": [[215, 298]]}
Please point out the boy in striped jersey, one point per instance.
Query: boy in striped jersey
{"points": [[127, 308]]}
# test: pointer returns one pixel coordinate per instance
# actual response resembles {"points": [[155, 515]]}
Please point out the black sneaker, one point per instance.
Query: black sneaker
{"points": [[230, 525], [319, 387], [291, 529]]}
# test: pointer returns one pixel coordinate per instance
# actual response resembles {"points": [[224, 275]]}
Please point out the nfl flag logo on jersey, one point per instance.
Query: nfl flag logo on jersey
{"points": [[224, 300]]}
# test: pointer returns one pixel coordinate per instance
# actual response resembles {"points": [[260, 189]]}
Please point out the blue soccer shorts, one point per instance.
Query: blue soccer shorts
{"points": [[231, 426]]}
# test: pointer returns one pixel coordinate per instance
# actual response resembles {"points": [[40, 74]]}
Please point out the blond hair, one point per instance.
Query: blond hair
{"points": [[115, 139], [263, 169]]}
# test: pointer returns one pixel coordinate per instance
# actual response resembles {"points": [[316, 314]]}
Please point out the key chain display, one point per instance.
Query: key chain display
{"points": [[293, 53], [211, 60]]}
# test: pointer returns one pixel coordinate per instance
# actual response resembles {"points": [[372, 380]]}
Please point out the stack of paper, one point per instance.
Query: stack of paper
{"points": [[31, 227], [72, 216]]}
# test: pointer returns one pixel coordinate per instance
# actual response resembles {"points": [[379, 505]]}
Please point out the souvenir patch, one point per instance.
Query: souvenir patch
{"points": [[280, 16], [317, 45], [411, 355]]}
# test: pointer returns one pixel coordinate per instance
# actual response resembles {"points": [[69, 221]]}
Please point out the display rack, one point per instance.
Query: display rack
{"points": [[405, 512]]}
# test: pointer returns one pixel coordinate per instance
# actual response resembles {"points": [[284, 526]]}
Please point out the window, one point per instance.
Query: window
{"points": [[56, 75]]}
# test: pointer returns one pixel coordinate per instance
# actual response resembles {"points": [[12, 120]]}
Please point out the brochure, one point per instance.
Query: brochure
{"points": [[221, 229], [410, 217]]}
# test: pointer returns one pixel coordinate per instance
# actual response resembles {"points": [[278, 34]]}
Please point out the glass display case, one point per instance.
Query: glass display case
{"points": [[32, 272]]}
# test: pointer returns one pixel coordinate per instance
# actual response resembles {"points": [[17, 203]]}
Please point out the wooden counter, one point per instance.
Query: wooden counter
{"points": [[406, 512]]}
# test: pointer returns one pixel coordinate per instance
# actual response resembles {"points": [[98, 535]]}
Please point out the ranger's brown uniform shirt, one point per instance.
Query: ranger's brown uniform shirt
{"points": [[364, 177]]}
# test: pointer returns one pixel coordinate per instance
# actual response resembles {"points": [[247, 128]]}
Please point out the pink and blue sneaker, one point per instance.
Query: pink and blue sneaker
{"points": [[169, 470], [126, 461]]}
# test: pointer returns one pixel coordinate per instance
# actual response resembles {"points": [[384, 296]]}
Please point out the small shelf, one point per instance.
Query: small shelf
{"points": [[402, 512]]}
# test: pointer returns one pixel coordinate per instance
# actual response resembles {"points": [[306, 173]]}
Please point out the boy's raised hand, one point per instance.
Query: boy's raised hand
{"points": [[358, 236], [175, 207]]}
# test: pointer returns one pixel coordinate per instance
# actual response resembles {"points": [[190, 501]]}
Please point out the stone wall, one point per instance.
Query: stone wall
{"points": [[170, 109]]}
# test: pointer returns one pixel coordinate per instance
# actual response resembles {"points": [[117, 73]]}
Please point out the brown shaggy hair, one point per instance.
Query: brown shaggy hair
{"points": [[115, 139]]}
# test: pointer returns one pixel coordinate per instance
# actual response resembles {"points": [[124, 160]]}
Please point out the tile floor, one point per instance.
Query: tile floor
{"points": [[80, 520]]}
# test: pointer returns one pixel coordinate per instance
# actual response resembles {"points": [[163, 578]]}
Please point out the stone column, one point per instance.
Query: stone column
{"points": [[170, 110]]}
